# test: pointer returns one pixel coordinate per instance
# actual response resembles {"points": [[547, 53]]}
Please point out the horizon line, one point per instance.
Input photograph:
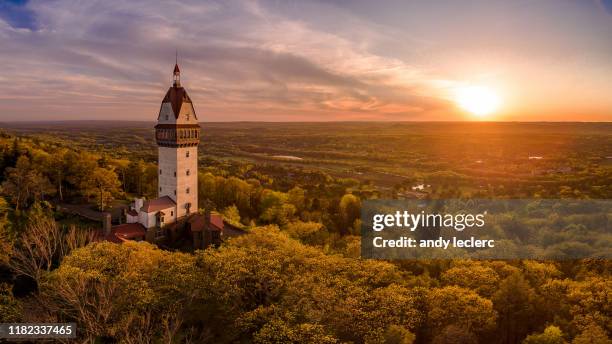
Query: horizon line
{"points": [[314, 121]]}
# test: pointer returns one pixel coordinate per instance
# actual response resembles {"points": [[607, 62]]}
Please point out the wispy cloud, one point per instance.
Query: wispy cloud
{"points": [[240, 60]]}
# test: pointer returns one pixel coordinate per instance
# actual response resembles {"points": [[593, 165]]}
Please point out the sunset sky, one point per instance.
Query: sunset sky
{"points": [[542, 60]]}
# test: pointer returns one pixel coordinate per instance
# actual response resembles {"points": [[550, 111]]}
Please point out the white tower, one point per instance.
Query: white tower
{"points": [[177, 134]]}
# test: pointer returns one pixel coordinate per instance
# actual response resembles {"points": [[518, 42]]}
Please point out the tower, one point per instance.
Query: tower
{"points": [[177, 134]]}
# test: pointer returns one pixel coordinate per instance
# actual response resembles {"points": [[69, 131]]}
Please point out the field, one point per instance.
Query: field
{"points": [[523, 158]]}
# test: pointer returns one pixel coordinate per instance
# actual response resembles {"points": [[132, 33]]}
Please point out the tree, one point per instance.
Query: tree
{"points": [[453, 334], [551, 335], [106, 185], [590, 302], [131, 291], [592, 334], [398, 335], [79, 166], [297, 197], [232, 214], [42, 244], [6, 235], [267, 283], [24, 184], [10, 308], [461, 307], [350, 211], [134, 177], [310, 233], [473, 276], [515, 303], [56, 167]]}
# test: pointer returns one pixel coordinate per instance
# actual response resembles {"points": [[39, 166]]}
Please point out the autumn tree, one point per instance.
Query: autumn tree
{"points": [[551, 335], [350, 212], [131, 291], [42, 244], [24, 184], [105, 184], [515, 302], [10, 307], [592, 334], [461, 307]]}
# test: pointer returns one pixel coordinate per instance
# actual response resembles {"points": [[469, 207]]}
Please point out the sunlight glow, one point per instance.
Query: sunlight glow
{"points": [[481, 101]]}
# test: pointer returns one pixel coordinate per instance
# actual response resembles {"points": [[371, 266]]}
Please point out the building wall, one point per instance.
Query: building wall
{"points": [[146, 219], [131, 219], [170, 216], [173, 160]]}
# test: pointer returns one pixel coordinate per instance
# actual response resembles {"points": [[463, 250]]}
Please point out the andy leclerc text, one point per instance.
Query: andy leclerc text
{"points": [[406, 242]]}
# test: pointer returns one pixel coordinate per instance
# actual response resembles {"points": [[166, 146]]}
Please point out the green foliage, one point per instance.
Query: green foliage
{"points": [[310, 233], [10, 308], [458, 306], [592, 334], [551, 335], [515, 303], [121, 290], [483, 279]]}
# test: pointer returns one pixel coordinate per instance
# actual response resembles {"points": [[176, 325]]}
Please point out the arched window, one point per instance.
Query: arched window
{"points": [[187, 154]]}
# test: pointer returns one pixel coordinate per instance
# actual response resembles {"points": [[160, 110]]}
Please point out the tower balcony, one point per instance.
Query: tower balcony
{"points": [[177, 135]]}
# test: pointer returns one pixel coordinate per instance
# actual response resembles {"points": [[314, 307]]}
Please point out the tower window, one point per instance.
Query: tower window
{"points": [[187, 191], [171, 213], [166, 117], [187, 172], [187, 154], [175, 173], [175, 192], [160, 189], [187, 116], [160, 172]]}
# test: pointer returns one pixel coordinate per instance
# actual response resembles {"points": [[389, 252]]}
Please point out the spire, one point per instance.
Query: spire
{"points": [[177, 72]]}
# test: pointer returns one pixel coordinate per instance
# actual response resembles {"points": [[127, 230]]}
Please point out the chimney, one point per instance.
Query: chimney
{"points": [[138, 203], [106, 223]]}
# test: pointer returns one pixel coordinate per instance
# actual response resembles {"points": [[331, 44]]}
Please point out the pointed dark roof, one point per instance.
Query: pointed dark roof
{"points": [[176, 96], [176, 68]]}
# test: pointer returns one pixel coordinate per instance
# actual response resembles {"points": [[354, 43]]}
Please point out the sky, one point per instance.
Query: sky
{"points": [[345, 60]]}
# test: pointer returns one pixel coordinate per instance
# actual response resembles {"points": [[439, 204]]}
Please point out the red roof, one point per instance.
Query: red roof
{"points": [[197, 222], [158, 204], [129, 231], [121, 233], [216, 220]]}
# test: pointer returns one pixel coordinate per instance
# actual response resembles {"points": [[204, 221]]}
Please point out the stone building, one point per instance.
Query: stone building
{"points": [[175, 211]]}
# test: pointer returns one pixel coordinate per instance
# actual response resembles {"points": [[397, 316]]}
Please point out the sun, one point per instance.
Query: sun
{"points": [[481, 101]]}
